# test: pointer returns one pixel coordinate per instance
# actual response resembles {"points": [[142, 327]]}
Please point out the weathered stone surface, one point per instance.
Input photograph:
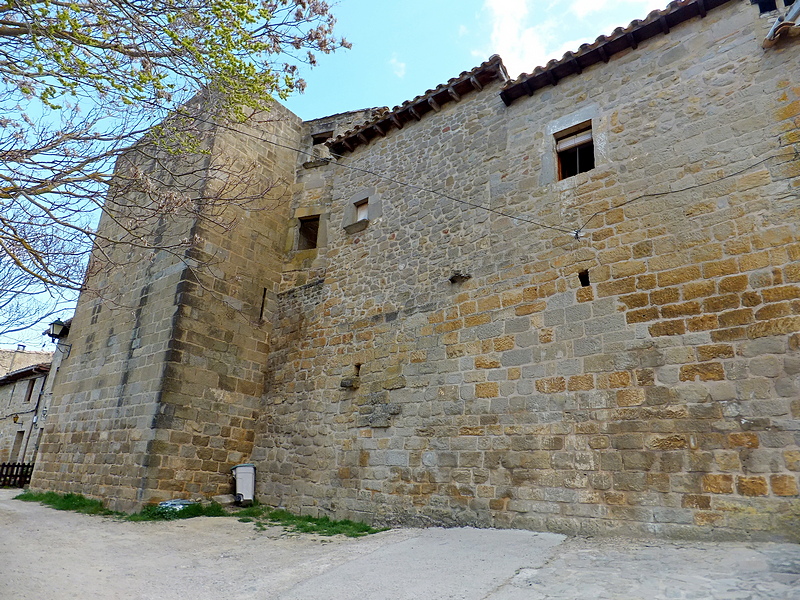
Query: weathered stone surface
{"points": [[662, 396]]}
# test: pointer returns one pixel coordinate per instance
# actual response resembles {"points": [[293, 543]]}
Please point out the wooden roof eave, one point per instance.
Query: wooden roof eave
{"points": [[415, 110], [25, 373]]}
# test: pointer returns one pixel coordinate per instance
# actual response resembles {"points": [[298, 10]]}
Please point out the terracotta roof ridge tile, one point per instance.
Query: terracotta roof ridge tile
{"points": [[606, 45], [345, 112], [351, 137]]}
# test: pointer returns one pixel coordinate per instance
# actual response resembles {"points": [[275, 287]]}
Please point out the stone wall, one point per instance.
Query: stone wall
{"points": [[461, 355], [100, 425], [19, 399], [214, 380], [157, 397], [661, 398]]}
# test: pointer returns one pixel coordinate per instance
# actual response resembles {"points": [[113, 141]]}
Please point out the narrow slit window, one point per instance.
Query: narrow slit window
{"points": [[309, 232], [583, 277], [29, 391], [575, 149], [263, 304], [362, 210]]}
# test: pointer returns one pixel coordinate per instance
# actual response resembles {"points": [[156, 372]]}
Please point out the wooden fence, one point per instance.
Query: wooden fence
{"points": [[15, 474]]}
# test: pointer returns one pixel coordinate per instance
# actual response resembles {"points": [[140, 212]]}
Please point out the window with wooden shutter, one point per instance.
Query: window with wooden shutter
{"points": [[575, 150]]}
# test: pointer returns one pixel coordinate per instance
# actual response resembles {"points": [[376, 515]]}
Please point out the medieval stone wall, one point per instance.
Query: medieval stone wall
{"points": [[214, 381], [452, 352], [156, 399], [663, 397]]}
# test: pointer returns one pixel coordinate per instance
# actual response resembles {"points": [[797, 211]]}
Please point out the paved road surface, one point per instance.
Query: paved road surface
{"points": [[51, 555]]}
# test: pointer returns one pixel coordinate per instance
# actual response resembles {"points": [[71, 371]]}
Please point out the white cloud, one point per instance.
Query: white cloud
{"points": [[398, 67], [528, 33], [463, 30], [584, 8], [522, 47]]}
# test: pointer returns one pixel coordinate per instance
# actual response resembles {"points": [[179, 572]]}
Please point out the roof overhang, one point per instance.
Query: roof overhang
{"points": [[26, 373], [414, 110], [658, 22]]}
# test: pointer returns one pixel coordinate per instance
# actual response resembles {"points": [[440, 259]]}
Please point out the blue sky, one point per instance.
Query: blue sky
{"points": [[403, 48]]}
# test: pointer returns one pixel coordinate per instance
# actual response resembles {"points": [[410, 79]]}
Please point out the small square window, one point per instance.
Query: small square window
{"points": [[575, 149], [362, 210], [309, 232]]}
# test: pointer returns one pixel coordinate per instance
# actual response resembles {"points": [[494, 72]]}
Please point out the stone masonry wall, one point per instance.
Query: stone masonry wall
{"points": [[19, 399], [158, 395], [214, 382], [662, 398], [100, 422]]}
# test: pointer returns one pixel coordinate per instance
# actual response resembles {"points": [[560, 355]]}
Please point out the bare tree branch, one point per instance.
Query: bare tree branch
{"points": [[81, 85]]}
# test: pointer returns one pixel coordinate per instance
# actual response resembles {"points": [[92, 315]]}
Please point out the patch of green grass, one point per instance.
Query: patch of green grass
{"points": [[318, 525], [154, 512], [262, 516], [73, 502]]}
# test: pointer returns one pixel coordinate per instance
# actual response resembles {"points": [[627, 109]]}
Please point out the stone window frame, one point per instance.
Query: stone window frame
{"points": [[351, 222], [293, 239], [549, 173], [29, 390], [308, 232]]}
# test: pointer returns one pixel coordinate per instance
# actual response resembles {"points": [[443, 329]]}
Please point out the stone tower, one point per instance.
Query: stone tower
{"points": [[160, 392]]}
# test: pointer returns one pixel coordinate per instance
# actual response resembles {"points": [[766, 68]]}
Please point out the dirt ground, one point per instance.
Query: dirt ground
{"points": [[53, 555]]}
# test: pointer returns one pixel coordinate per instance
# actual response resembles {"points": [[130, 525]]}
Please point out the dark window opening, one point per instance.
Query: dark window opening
{"points": [[765, 6], [358, 369], [575, 149], [29, 391], [263, 304], [15, 450], [788, 2], [583, 276], [321, 138], [309, 231]]}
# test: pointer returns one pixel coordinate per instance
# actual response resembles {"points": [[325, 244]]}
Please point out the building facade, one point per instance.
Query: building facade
{"points": [[20, 400], [565, 302], [13, 360]]}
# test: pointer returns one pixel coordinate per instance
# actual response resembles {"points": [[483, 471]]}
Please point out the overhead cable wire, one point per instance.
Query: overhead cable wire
{"points": [[574, 232], [563, 229], [686, 189], [385, 177]]}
